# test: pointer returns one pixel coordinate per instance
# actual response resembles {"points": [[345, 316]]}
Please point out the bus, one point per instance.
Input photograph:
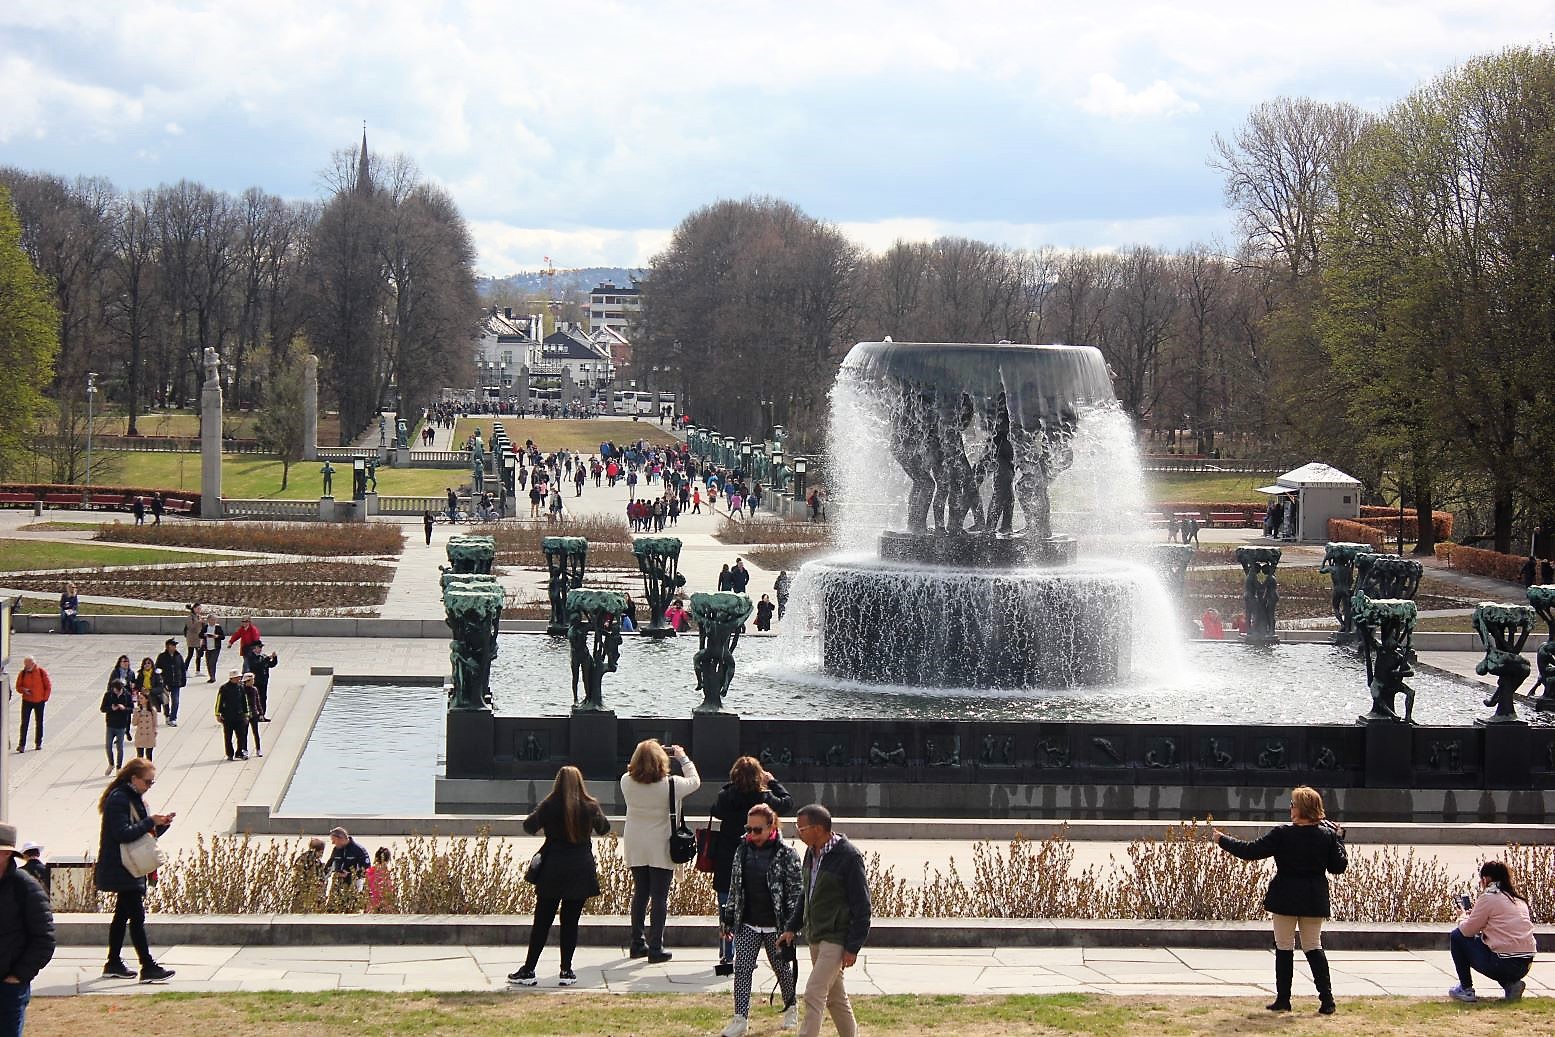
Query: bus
{"points": [[648, 404]]}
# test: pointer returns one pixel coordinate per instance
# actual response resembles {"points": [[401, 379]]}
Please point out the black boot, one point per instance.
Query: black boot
{"points": [[1318, 962], [1284, 969]]}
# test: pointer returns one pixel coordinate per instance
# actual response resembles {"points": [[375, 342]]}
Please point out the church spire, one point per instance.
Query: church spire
{"points": [[364, 180]]}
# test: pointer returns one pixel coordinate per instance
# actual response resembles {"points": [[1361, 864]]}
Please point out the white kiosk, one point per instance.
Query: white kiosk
{"points": [[1315, 493]]}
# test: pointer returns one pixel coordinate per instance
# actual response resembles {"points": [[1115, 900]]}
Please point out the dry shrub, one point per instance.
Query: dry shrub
{"points": [[1533, 871], [458, 876], [231, 875], [265, 586], [299, 538], [610, 542], [1390, 885], [787, 556], [1185, 875], [889, 896], [783, 532], [1033, 880]]}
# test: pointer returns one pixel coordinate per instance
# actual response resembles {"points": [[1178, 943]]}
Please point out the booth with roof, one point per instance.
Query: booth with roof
{"points": [[1313, 494]]}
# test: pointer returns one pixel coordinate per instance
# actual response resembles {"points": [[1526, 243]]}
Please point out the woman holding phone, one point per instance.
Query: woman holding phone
{"points": [[1305, 852]]}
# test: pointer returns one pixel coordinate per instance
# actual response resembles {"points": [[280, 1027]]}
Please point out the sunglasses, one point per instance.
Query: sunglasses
{"points": [[755, 831]]}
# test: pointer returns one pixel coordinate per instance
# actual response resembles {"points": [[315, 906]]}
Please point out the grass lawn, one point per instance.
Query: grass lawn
{"points": [[35, 605], [247, 476], [19, 555], [658, 1015], [579, 434], [1192, 486]]}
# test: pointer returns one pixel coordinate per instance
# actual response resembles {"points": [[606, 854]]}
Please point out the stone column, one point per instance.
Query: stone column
{"points": [[310, 408], [210, 438]]}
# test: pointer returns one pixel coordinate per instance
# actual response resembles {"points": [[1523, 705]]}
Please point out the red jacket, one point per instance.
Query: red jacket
{"points": [[34, 685], [247, 635]]}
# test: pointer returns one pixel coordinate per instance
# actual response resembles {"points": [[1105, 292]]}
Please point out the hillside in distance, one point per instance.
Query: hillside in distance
{"points": [[578, 281]]}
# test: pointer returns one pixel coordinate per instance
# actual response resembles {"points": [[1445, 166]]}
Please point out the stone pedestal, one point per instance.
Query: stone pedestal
{"points": [[591, 742], [1389, 754], [1508, 754], [715, 741], [399, 457], [326, 509], [310, 408], [210, 448], [471, 751], [369, 505]]}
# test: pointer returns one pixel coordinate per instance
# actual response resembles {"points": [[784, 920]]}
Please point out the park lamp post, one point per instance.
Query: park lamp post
{"points": [[358, 478], [91, 393], [745, 456], [730, 452], [800, 467], [779, 480]]}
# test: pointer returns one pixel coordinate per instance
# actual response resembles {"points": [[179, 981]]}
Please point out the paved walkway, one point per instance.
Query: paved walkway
{"points": [[1154, 971]]}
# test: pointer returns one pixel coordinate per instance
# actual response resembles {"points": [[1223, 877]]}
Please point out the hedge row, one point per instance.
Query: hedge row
{"points": [[1346, 531], [40, 490], [1387, 519], [1482, 563]]}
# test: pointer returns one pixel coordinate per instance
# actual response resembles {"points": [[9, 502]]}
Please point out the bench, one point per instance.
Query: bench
{"points": [[1228, 519], [178, 507], [63, 500], [110, 501], [19, 499]]}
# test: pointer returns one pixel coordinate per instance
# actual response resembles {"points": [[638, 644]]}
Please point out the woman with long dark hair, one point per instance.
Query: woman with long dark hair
{"points": [[1494, 936], [652, 796], [126, 819], [749, 784], [566, 877], [1305, 852]]}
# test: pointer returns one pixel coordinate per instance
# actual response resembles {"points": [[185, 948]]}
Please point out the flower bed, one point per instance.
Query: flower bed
{"points": [[298, 538], [303, 587]]}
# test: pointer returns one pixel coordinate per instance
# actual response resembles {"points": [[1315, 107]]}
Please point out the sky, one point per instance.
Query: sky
{"points": [[586, 132]]}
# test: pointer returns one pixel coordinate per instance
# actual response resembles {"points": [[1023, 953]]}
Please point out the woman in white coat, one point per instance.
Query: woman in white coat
{"points": [[646, 790]]}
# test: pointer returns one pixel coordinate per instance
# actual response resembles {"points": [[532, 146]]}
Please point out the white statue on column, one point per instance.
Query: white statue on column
{"points": [[212, 368]]}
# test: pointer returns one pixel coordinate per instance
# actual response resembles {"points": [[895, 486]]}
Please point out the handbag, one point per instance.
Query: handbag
{"points": [[532, 871], [683, 844], [141, 857], [705, 840]]}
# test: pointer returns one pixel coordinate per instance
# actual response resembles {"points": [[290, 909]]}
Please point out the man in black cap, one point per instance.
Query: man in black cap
{"points": [[259, 664], [26, 933], [174, 677], [232, 713]]}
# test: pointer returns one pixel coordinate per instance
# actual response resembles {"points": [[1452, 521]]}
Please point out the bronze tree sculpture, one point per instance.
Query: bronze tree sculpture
{"points": [[720, 617]]}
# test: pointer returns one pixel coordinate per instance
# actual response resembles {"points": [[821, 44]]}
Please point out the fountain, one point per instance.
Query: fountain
{"points": [[959, 594]]}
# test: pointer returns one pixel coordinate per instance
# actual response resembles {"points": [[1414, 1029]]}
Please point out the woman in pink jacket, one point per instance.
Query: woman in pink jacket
{"points": [[1495, 936]]}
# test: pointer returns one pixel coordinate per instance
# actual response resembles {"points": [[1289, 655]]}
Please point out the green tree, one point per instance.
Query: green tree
{"points": [[1439, 302], [29, 339], [281, 427]]}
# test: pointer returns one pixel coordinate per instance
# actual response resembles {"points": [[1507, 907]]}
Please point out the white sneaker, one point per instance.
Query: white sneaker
{"points": [[736, 1027], [791, 1017]]}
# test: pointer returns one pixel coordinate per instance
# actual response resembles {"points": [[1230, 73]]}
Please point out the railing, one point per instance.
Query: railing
{"points": [[345, 453], [290, 510], [411, 505], [439, 458], [174, 445], [1205, 466]]}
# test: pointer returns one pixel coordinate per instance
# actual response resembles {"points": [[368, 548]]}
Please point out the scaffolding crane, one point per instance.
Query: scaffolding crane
{"points": [[549, 273]]}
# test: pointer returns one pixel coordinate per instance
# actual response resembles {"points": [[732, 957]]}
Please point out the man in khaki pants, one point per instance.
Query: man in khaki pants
{"points": [[833, 914]]}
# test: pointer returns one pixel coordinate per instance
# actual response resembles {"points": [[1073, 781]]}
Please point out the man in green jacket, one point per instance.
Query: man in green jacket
{"points": [[833, 914]]}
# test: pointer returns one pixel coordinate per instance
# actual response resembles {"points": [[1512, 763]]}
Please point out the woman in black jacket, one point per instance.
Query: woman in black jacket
{"points": [[566, 877], [1305, 852], [749, 784], [765, 886], [118, 708], [126, 819]]}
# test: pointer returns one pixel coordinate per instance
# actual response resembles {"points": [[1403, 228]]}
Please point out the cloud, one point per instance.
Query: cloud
{"points": [[1028, 119], [1111, 99]]}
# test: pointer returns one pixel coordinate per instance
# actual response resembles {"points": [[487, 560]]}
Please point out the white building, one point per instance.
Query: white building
{"points": [[612, 307], [568, 356], [503, 350]]}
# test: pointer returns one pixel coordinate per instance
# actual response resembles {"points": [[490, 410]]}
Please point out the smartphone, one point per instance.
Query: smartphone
{"points": [[1465, 901]]}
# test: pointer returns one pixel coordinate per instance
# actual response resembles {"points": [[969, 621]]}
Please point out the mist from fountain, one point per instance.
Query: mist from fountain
{"points": [[1106, 618]]}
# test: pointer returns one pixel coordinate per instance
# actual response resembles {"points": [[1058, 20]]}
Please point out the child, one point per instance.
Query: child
{"points": [[145, 724], [379, 882]]}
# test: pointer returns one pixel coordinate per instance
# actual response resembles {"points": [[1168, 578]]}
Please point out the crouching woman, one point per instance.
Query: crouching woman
{"points": [[1495, 936]]}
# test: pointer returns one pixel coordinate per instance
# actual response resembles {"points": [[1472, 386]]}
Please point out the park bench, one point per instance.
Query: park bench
{"points": [[175, 506], [10, 500], [110, 501], [63, 500], [1228, 519]]}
